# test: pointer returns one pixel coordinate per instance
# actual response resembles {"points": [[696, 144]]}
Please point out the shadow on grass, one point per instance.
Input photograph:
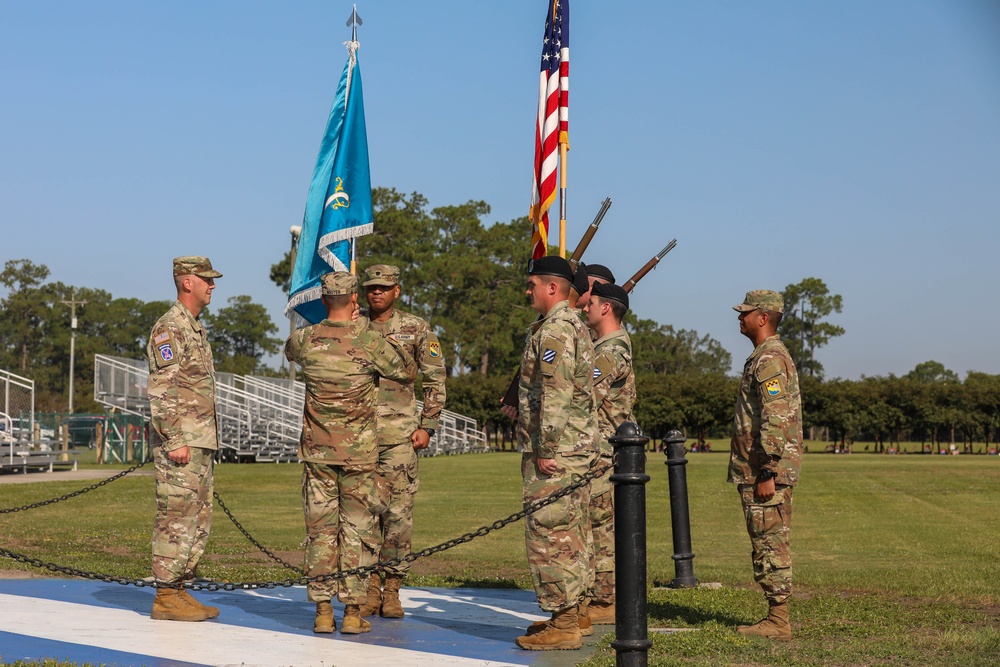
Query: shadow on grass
{"points": [[672, 611]]}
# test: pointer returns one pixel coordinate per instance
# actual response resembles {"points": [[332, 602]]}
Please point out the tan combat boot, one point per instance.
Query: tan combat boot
{"points": [[602, 613], [374, 602], [775, 626], [170, 605], [585, 623], [353, 623], [561, 632], [211, 612], [391, 606], [324, 618]]}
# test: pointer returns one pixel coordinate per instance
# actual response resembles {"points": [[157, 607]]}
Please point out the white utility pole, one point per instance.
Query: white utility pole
{"points": [[72, 303]]}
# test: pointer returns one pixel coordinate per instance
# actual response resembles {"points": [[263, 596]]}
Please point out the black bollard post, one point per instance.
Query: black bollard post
{"points": [[680, 521], [631, 643]]}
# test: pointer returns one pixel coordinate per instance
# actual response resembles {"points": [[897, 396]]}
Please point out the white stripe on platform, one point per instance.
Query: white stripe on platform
{"points": [[209, 642]]}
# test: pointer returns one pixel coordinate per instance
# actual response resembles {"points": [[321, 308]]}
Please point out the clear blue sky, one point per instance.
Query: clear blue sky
{"points": [[856, 141]]}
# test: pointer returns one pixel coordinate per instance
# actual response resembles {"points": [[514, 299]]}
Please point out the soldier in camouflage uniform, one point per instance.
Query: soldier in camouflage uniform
{"points": [[402, 430], [184, 434], [557, 435], [614, 392], [342, 364], [766, 455]]}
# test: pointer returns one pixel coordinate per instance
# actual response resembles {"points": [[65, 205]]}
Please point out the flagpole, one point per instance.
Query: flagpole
{"points": [[354, 21], [562, 199]]}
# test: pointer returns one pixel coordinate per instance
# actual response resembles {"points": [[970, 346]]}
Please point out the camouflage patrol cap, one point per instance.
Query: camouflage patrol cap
{"points": [[763, 299], [386, 275], [339, 283], [194, 265], [551, 265]]}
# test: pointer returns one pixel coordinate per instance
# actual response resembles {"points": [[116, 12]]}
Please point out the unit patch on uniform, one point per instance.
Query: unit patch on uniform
{"points": [[603, 368], [552, 349], [773, 388], [166, 352], [434, 349]]}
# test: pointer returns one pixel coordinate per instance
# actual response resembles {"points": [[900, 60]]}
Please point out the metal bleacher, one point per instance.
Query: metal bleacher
{"points": [[260, 418]]}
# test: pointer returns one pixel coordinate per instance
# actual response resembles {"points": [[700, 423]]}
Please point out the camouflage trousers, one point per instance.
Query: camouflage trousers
{"points": [[336, 501], [183, 513], [557, 537], [768, 524], [602, 528], [397, 465]]}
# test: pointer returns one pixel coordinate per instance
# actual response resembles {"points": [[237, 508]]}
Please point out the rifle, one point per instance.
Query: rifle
{"points": [[588, 236], [647, 267], [510, 398]]}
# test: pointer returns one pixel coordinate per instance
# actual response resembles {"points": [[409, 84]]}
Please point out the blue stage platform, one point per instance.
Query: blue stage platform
{"points": [[99, 623]]}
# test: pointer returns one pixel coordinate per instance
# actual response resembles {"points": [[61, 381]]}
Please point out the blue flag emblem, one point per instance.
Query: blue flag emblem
{"points": [[339, 203]]}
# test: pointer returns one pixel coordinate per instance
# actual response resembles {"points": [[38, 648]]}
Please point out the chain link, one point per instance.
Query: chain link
{"points": [[251, 538], [50, 501], [304, 580]]}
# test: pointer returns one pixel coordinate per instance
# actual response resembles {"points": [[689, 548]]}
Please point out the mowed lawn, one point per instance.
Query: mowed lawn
{"points": [[895, 557]]}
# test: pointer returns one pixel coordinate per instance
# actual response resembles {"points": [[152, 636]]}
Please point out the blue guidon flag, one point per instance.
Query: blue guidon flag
{"points": [[339, 203]]}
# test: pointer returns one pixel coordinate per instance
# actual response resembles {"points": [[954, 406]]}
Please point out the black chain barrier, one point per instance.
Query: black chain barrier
{"points": [[267, 552], [304, 580], [50, 501]]}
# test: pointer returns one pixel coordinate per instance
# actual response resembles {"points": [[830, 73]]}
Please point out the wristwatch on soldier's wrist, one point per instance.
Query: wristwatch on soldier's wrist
{"points": [[430, 431], [765, 475]]}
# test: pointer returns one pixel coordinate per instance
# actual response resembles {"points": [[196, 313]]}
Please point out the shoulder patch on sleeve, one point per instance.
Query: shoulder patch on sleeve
{"points": [[602, 369], [549, 354], [434, 346], [768, 370], [774, 388], [165, 349]]}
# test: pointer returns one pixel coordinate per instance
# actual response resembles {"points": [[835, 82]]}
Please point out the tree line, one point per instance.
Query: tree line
{"points": [[467, 279], [35, 332]]}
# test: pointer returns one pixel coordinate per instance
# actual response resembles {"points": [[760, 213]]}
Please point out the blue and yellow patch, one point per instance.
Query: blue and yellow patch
{"points": [[434, 349], [773, 387]]}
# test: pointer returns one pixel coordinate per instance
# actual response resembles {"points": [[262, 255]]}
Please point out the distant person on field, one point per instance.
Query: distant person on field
{"points": [[766, 455], [182, 406]]}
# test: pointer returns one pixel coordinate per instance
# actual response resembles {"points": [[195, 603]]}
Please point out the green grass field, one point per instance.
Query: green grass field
{"points": [[895, 556]]}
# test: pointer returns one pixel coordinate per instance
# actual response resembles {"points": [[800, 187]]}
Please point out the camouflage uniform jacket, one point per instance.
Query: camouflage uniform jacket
{"points": [[556, 408], [342, 363], [398, 417], [614, 385], [767, 430], [181, 385]]}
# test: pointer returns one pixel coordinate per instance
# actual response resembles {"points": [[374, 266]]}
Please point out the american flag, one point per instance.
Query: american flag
{"points": [[551, 129]]}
